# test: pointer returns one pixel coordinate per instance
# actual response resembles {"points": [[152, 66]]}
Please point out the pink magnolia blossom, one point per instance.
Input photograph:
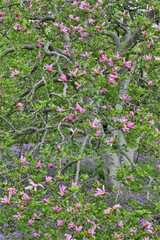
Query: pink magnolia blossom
{"points": [[84, 35], [107, 211], [110, 140], [26, 197], [130, 124], [76, 64], [23, 160], [59, 109], [39, 164], [64, 30], [71, 17], [78, 28], [147, 225], [62, 190], [144, 33], [102, 25], [12, 190], [30, 222], [112, 78], [63, 78], [96, 70], [22, 207], [150, 83], [70, 118], [48, 179], [36, 216], [78, 229], [78, 85], [126, 98], [37, 234], [49, 67], [108, 107], [128, 64], [72, 225], [14, 73], [130, 178], [116, 206], [151, 232], [74, 184], [76, 19], [57, 209], [5, 199], [100, 192], [91, 21], [19, 105], [2, 13], [96, 181], [104, 58], [50, 165], [95, 122], [113, 75], [148, 57], [87, 54], [91, 231], [72, 210], [94, 224], [157, 58], [132, 114], [18, 216], [148, 115], [117, 56], [68, 235], [98, 133], [118, 236], [73, 73], [83, 5], [79, 109], [5, 184], [120, 224], [59, 148], [78, 205], [125, 128], [17, 27], [32, 185], [103, 90], [157, 130], [60, 223], [151, 122], [133, 231]]}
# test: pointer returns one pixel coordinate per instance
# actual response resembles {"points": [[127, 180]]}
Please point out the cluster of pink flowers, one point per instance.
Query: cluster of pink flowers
{"points": [[62, 189], [79, 109], [49, 67], [112, 78], [128, 64], [14, 73], [17, 27], [110, 141], [95, 122], [20, 106], [63, 78], [70, 118]]}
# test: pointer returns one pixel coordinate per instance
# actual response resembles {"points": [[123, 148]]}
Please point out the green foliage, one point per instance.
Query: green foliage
{"points": [[80, 41]]}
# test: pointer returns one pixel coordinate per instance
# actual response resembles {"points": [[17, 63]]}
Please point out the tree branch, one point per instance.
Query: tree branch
{"points": [[13, 49]]}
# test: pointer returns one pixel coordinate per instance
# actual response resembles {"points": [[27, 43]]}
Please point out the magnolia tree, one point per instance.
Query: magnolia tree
{"points": [[78, 78]]}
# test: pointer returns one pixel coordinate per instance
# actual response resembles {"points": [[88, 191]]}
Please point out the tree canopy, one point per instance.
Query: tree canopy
{"points": [[81, 77]]}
